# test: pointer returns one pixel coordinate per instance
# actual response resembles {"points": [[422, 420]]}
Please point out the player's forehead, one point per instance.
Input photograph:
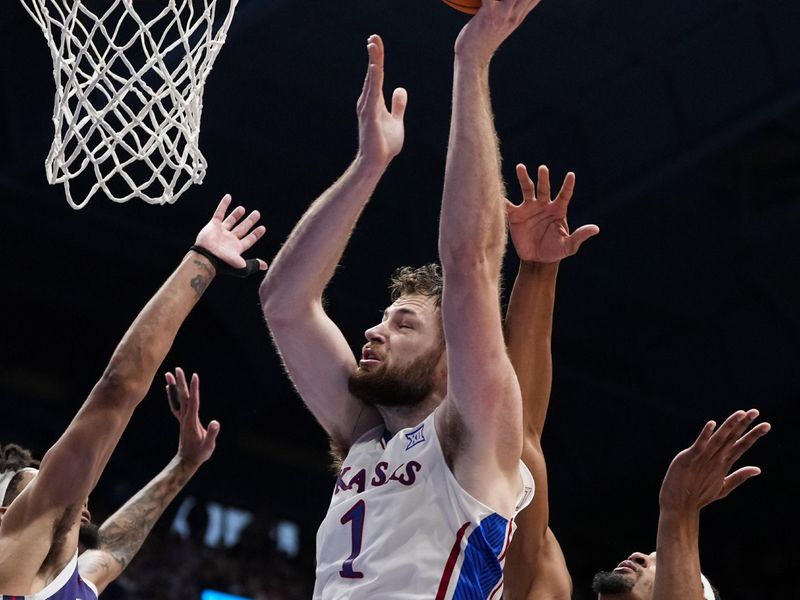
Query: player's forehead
{"points": [[415, 305]]}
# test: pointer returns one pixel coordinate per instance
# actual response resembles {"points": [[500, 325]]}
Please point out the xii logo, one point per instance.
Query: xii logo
{"points": [[415, 437]]}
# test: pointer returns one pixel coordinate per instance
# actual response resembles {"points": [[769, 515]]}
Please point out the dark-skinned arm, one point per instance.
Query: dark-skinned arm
{"points": [[535, 565], [122, 535], [698, 476], [49, 509]]}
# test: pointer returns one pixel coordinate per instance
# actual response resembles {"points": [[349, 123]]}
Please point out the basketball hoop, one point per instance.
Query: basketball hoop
{"points": [[129, 93]]}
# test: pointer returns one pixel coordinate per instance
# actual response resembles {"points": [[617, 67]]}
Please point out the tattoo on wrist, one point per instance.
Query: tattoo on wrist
{"points": [[199, 284], [203, 265]]}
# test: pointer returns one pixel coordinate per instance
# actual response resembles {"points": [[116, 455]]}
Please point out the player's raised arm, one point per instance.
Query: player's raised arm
{"points": [[483, 394], [535, 565], [123, 533], [698, 476], [49, 509], [316, 355]]}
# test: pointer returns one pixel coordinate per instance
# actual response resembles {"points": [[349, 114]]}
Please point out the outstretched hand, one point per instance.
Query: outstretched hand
{"points": [[701, 474], [228, 237], [538, 226], [196, 443], [490, 26], [380, 133]]}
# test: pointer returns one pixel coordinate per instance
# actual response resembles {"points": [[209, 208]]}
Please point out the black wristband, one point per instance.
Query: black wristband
{"points": [[223, 268]]}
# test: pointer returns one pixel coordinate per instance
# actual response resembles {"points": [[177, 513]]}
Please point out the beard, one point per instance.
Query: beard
{"points": [[88, 536], [401, 387], [606, 582]]}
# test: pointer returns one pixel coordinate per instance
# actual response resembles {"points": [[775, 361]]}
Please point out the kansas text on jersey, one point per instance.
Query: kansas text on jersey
{"points": [[400, 526]]}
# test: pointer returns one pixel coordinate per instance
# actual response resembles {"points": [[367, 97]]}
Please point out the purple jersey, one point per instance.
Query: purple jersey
{"points": [[68, 585]]}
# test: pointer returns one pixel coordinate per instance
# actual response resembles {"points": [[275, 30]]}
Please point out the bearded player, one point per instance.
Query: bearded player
{"points": [[428, 420]]}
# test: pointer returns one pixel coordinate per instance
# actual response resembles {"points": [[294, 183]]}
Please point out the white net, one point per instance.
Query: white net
{"points": [[129, 93]]}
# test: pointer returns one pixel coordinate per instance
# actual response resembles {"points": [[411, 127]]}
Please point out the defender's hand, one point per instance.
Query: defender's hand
{"points": [[538, 226], [196, 443], [227, 237], [700, 475]]}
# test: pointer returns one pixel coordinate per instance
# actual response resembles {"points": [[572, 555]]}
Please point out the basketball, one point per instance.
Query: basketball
{"points": [[465, 6]]}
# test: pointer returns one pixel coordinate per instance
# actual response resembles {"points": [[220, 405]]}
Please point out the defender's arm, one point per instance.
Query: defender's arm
{"points": [[70, 469], [697, 477], [122, 535], [535, 565]]}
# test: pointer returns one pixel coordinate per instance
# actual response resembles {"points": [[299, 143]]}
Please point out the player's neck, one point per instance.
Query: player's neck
{"points": [[396, 418]]}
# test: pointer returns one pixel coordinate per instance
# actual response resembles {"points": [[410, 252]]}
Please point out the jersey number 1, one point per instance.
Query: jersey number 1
{"points": [[356, 516]]}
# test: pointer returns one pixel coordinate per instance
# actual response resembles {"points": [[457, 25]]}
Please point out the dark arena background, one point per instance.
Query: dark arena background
{"points": [[681, 120]]}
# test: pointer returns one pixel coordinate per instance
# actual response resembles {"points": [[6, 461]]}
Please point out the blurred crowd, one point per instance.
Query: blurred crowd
{"points": [[172, 567]]}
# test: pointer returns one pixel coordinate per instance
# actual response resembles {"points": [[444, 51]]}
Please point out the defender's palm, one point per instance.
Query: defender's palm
{"points": [[702, 473], [538, 226], [227, 237], [196, 443]]}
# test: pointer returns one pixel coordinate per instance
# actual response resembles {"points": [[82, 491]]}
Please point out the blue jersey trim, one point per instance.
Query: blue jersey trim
{"points": [[481, 570]]}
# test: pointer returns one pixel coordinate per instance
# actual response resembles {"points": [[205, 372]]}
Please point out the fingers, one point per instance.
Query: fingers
{"points": [[236, 214], [244, 226], [730, 431], [211, 433], [373, 86], [184, 399], [525, 183], [744, 443], [541, 190], [180, 378], [730, 442], [172, 394], [222, 207], [737, 478], [580, 235], [362, 99], [567, 188], [516, 10], [194, 393], [377, 51], [399, 103], [521, 7], [705, 435], [251, 238], [262, 265], [543, 184]]}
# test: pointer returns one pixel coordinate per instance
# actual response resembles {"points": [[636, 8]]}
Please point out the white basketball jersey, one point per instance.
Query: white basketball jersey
{"points": [[400, 526]]}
